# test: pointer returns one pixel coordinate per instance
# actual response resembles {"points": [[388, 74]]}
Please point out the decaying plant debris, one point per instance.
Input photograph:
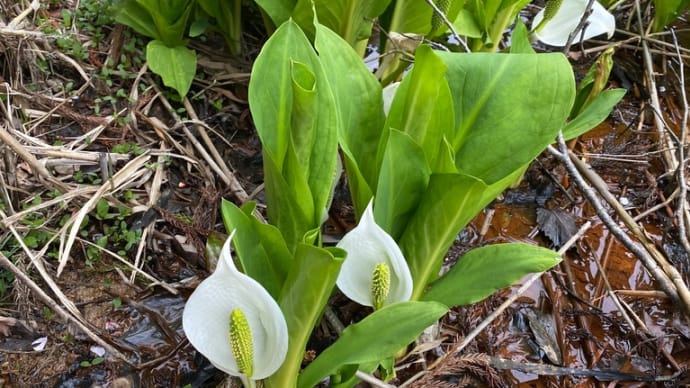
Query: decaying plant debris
{"points": [[619, 302]]}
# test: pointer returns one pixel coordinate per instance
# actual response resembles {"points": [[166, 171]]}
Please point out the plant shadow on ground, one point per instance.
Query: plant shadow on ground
{"points": [[160, 220]]}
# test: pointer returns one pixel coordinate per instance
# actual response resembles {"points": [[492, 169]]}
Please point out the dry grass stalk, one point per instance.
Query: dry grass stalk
{"points": [[133, 170]]}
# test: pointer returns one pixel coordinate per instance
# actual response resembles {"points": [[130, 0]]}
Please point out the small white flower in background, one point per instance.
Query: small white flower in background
{"points": [[97, 350], [235, 323], [375, 272], [555, 32], [39, 344], [388, 95]]}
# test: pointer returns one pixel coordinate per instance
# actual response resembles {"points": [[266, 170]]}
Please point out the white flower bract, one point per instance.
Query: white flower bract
{"points": [[555, 32], [367, 246], [206, 318]]}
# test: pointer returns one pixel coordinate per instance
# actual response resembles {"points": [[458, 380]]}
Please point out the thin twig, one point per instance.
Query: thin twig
{"points": [[665, 141], [682, 210], [580, 28], [669, 279]]}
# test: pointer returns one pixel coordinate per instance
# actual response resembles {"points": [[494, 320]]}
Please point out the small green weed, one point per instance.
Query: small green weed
{"points": [[94, 362]]}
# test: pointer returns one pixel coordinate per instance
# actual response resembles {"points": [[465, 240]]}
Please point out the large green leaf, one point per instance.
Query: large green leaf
{"points": [[176, 65], [138, 18], [402, 183], [307, 289], [350, 19], [295, 115], [450, 202], [376, 337], [423, 107], [508, 108], [260, 247], [291, 206], [483, 271], [359, 106], [270, 87], [596, 112], [410, 16]]}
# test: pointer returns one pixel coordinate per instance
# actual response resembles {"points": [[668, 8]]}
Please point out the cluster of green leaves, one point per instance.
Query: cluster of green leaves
{"points": [[114, 231], [460, 129], [166, 23], [169, 23], [90, 18]]}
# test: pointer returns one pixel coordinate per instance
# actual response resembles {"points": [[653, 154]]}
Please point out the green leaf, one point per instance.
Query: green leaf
{"points": [[402, 183], [595, 113], [376, 337], [278, 10], [483, 271], [519, 40], [307, 289], [294, 111], [169, 18], [593, 83], [359, 108], [175, 65], [450, 202], [102, 208], [352, 20], [411, 17], [137, 18], [227, 15], [262, 252], [422, 106], [666, 11], [508, 108], [465, 24]]}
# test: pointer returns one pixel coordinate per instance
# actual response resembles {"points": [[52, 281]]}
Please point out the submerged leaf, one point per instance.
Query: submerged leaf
{"points": [[558, 225]]}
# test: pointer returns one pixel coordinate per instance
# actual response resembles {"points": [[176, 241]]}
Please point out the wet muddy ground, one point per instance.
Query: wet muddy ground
{"points": [[567, 329]]}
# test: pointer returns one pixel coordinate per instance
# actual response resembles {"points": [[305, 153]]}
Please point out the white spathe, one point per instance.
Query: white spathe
{"points": [[555, 32], [368, 245], [206, 319], [388, 95]]}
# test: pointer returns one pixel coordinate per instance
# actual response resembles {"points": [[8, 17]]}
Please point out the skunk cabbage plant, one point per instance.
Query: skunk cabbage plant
{"points": [[233, 321]]}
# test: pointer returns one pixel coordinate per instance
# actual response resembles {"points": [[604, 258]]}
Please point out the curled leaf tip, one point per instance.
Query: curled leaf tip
{"points": [[380, 284], [241, 342]]}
